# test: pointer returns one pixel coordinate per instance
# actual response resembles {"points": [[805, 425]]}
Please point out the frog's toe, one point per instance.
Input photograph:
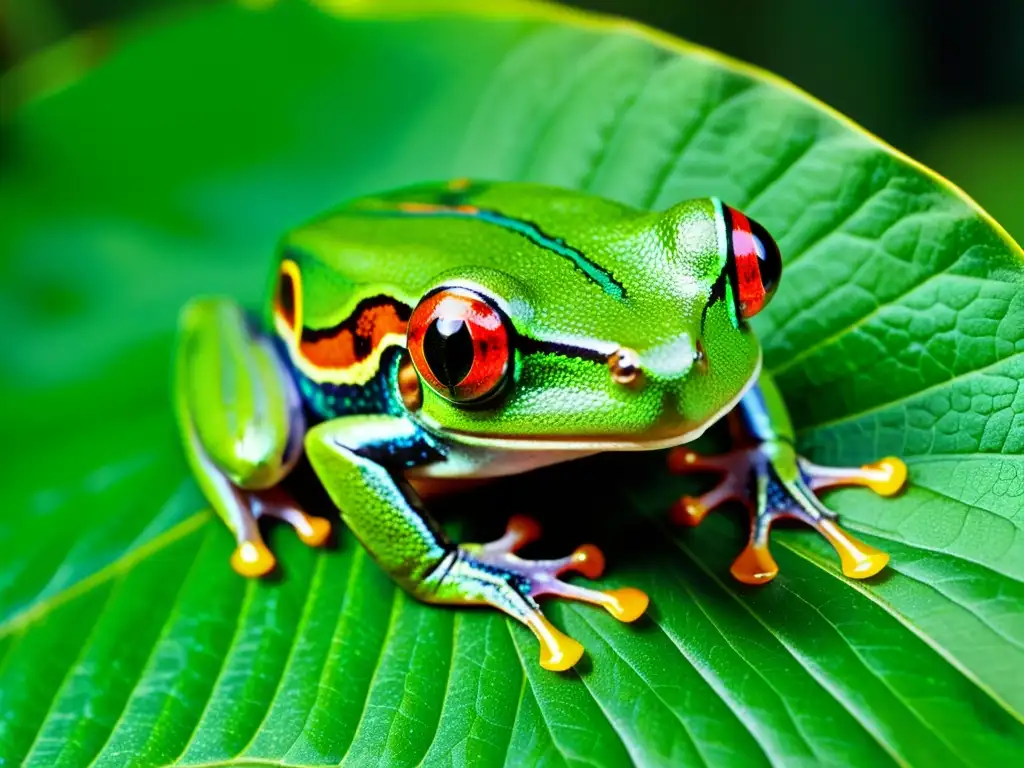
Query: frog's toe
{"points": [[755, 565], [682, 460], [312, 531], [626, 604], [558, 651], [519, 531], [734, 469], [691, 510], [886, 477], [859, 560], [541, 577]]}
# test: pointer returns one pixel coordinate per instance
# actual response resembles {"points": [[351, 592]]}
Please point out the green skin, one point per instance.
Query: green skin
{"points": [[577, 278]]}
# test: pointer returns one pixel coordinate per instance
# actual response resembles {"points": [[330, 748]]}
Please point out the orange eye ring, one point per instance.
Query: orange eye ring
{"points": [[459, 344]]}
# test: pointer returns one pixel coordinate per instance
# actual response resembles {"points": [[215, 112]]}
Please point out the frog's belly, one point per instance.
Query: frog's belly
{"points": [[466, 462]]}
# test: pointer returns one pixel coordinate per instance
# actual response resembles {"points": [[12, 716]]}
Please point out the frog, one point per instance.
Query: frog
{"points": [[467, 330]]}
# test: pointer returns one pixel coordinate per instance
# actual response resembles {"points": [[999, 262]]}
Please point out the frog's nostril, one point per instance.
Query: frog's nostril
{"points": [[624, 365], [700, 358]]}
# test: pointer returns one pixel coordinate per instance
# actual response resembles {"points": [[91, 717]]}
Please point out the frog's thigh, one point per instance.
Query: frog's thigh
{"points": [[381, 508], [234, 394], [239, 418]]}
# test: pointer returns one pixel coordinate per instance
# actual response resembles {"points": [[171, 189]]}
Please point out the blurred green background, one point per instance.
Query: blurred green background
{"points": [[942, 80]]}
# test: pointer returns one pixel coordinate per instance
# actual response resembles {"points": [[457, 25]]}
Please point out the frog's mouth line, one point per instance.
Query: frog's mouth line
{"points": [[595, 443]]}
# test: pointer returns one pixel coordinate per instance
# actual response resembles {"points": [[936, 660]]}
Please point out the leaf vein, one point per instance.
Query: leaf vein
{"points": [[856, 715], [307, 613], [165, 626], [880, 407], [881, 678], [396, 606], [683, 143], [243, 609]]}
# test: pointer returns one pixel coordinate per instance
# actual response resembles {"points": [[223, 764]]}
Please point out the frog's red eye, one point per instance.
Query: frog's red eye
{"points": [[459, 344], [755, 261]]}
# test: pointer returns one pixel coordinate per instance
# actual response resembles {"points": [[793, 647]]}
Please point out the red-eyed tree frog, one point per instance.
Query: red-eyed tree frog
{"points": [[473, 330]]}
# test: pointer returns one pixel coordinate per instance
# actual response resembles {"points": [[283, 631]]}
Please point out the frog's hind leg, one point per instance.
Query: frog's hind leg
{"points": [[232, 504], [242, 425], [774, 483], [275, 503], [360, 460]]}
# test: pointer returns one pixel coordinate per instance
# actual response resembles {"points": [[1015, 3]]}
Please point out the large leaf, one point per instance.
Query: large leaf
{"points": [[172, 168]]}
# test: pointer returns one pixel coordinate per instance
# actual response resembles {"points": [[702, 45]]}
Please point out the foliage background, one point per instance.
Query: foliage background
{"points": [[942, 80]]}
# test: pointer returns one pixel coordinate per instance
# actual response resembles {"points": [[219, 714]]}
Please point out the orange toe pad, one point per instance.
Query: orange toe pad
{"points": [[628, 603], [318, 532], [754, 566], [688, 511], [588, 560], [891, 476], [252, 559], [560, 652]]}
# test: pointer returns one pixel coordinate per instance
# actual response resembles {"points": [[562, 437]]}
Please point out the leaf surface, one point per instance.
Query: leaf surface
{"points": [[171, 169]]}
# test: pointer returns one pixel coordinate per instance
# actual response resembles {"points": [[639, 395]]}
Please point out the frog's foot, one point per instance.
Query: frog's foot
{"points": [[755, 477], [492, 573], [252, 557]]}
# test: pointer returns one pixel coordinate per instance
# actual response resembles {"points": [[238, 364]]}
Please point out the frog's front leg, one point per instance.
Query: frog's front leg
{"points": [[774, 482], [242, 425], [360, 460]]}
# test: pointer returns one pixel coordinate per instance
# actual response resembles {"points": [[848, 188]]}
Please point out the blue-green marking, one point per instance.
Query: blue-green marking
{"points": [[530, 231]]}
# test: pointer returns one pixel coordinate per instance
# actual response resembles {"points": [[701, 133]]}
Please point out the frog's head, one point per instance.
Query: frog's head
{"points": [[642, 347]]}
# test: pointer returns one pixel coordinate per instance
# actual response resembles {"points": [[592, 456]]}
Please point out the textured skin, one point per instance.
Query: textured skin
{"points": [[616, 329], [405, 543], [666, 264]]}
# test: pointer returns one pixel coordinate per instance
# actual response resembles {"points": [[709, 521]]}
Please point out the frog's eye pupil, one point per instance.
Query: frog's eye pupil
{"points": [[459, 344], [286, 298], [448, 349], [769, 259]]}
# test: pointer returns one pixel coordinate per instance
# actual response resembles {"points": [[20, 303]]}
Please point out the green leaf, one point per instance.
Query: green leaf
{"points": [[171, 169]]}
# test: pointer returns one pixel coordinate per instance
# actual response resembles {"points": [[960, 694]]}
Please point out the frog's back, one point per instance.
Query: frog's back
{"points": [[350, 278], [401, 241]]}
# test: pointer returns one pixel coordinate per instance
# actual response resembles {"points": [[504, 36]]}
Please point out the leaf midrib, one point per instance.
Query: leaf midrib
{"points": [[128, 558]]}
